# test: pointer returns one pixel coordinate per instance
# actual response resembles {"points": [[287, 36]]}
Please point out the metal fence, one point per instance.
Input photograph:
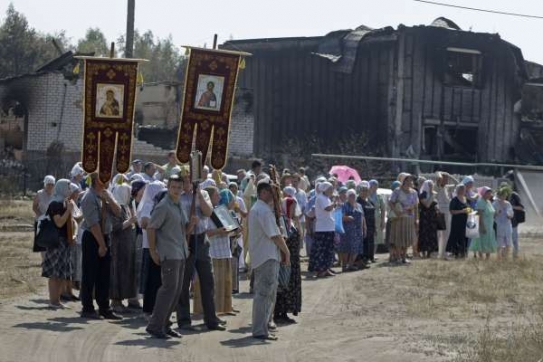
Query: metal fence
{"points": [[26, 177]]}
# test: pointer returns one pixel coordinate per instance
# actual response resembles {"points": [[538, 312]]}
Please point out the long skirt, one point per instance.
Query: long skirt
{"points": [[402, 232], [222, 272], [322, 253], [57, 262], [236, 253], [77, 262], [289, 300], [123, 265], [139, 261]]}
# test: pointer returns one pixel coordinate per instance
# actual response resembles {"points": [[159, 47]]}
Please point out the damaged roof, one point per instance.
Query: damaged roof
{"points": [[340, 47]]}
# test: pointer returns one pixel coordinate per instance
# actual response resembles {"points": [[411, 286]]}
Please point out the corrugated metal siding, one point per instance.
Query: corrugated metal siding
{"points": [[297, 93]]}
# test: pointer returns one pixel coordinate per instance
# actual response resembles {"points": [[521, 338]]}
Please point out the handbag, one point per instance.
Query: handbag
{"points": [[520, 216], [47, 235], [338, 217], [440, 221], [284, 276], [472, 226]]}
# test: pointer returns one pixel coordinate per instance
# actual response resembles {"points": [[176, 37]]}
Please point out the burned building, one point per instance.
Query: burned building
{"points": [[41, 121], [430, 92]]}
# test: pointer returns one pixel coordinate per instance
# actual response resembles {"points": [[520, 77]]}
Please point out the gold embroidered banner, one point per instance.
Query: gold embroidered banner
{"points": [[109, 99], [210, 85]]}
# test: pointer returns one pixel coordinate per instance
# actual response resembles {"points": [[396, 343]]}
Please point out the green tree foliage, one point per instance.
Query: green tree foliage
{"points": [[23, 49], [165, 59], [94, 42]]}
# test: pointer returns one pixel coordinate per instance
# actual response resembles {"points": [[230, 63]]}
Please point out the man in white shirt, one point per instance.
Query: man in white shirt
{"points": [[267, 248], [301, 198]]}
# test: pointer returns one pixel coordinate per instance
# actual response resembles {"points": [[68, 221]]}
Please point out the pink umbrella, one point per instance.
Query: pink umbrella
{"points": [[345, 173]]}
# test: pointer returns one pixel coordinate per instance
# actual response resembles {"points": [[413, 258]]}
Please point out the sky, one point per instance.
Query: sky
{"points": [[195, 22]]}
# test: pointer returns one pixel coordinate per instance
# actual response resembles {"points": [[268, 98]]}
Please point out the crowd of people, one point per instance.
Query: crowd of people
{"points": [[151, 239]]}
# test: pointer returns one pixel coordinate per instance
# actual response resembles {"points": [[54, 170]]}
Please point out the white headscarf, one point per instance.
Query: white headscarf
{"points": [[290, 191], [364, 185], [77, 170], [122, 194], [323, 187], [146, 205], [49, 180], [62, 190], [136, 177], [74, 187], [426, 188]]}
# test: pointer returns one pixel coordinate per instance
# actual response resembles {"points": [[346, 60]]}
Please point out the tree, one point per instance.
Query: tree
{"points": [[164, 57], [22, 49], [17, 54], [93, 42]]}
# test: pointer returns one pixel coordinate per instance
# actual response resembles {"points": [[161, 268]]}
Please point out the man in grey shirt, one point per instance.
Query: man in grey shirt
{"points": [[98, 206], [168, 248], [199, 261], [267, 248]]}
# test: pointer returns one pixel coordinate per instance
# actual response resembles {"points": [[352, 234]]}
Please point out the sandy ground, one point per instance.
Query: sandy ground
{"points": [[335, 326], [372, 315]]}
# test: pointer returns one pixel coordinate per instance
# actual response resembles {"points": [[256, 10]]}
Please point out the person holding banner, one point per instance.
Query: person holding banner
{"points": [[98, 206], [168, 248], [199, 261]]}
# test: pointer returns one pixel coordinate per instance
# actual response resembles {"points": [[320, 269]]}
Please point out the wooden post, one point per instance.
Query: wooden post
{"points": [[112, 50], [129, 45], [215, 37]]}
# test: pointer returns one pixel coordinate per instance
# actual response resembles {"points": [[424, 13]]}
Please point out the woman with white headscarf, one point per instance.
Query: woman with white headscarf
{"points": [[40, 204], [428, 212], [75, 248], [289, 299], [150, 279], [404, 201], [354, 224], [322, 255], [123, 251], [57, 263]]}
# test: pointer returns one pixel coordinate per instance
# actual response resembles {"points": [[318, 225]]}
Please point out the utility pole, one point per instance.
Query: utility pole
{"points": [[129, 46]]}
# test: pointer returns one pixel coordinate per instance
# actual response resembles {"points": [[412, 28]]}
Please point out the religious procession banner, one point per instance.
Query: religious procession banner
{"points": [[210, 85], [109, 105]]}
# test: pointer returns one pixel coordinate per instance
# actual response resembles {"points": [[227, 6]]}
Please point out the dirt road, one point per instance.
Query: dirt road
{"points": [[346, 318]]}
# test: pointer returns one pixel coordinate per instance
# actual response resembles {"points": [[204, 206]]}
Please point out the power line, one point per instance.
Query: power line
{"points": [[481, 10]]}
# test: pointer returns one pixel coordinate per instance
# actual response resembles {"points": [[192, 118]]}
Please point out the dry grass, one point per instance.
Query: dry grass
{"points": [[488, 311], [20, 271], [16, 212], [21, 268]]}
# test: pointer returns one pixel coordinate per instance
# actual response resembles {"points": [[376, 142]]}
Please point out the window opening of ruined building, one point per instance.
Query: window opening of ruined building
{"points": [[460, 142], [463, 67]]}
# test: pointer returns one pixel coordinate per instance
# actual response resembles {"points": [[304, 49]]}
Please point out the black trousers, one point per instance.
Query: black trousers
{"points": [[368, 247], [199, 261], [153, 282], [95, 275]]}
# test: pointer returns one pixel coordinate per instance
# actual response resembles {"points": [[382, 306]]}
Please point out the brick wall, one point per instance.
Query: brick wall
{"points": [[55, 113]]}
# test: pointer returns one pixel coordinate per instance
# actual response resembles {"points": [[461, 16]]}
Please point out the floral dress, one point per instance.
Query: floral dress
{"points": [[351, 241], [485, 243]]}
